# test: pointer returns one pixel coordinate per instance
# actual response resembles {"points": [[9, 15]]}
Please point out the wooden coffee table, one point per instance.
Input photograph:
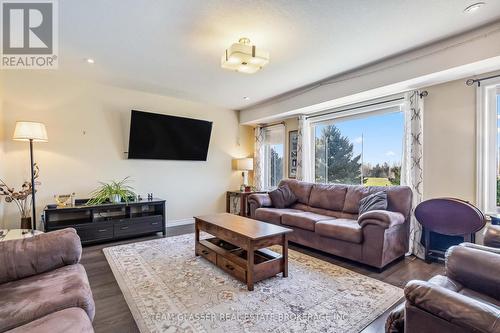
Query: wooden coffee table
{"points": [[239, 246]]}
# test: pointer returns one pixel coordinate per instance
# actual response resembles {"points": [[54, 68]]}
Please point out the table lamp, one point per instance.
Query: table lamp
{"points": [[244, 165], [32, 132]]}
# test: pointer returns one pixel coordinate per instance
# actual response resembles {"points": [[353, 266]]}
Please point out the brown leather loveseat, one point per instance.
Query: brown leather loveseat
{"points": [[325, 217], [466, 300]]}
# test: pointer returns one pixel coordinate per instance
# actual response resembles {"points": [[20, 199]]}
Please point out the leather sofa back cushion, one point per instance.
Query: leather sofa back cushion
{"points": [[330, 197], [302, 190], [282, 197], [354, 194], [375, 201]]}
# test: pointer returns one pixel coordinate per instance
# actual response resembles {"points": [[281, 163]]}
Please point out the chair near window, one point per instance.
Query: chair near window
{"points": [[447, 222]]}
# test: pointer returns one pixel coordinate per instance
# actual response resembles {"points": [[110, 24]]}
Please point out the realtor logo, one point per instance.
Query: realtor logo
{"points": [[29, 34]]}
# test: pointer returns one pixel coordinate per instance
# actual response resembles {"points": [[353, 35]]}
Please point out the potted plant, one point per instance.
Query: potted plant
{"points": [[114, 192], [21, 198]]}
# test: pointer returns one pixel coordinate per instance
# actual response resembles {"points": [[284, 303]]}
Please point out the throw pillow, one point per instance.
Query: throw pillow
{"points": [[375, 201], [282, 197]]}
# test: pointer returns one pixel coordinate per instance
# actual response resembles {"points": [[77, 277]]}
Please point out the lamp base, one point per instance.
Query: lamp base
{"points": [[245, 178]]}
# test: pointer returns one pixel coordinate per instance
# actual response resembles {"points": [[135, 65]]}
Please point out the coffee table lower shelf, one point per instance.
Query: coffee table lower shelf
{"points": [[233, 260]]}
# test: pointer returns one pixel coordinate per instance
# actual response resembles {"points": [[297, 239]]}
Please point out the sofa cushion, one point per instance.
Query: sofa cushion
{"points": [[328, 196], [375, 201], [273, 215], [39, 254], [353, 195], [31, 298], [302, 190], [343, 229], [445, 282], [301, 206], [73, 320], [305, 220], [282, 197]]}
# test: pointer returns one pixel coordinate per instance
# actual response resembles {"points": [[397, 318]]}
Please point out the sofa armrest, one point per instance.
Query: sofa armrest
{"points": [[453, 307], [481, 247], [395, 322], [258, 200], [475, 268], [382, 218], [30, 256]]}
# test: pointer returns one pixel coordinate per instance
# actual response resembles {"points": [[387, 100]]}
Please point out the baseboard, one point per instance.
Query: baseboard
{"points": [[175, 223]]}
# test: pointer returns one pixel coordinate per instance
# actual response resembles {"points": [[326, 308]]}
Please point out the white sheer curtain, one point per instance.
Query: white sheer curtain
{"points": [[258, 168], [412, 165], [304, 150]]}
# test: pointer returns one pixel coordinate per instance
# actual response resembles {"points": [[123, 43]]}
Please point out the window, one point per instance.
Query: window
{"points": [[488, 146], [361, 149], [273, 149]]}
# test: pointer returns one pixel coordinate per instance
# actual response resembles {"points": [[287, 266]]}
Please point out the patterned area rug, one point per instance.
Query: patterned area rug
{"points": [[168, 289]]}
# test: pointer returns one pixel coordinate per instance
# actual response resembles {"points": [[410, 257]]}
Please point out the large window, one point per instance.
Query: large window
{"points": [[274, 162], [362, 149]]}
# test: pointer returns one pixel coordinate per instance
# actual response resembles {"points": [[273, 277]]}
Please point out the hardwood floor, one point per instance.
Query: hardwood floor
{"points": [[113, 314]]}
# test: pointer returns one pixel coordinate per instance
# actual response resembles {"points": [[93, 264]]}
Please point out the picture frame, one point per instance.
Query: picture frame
{"points": [[293, 143]]}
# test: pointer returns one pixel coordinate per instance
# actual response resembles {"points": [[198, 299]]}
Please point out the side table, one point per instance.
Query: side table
{"points": [[243, 201]]}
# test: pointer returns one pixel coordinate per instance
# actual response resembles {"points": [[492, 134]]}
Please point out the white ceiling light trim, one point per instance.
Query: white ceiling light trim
{"points": [[244, 57], [474, 7]]}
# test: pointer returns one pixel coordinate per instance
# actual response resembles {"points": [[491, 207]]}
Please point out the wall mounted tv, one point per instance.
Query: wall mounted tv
{"points": [[162, 137]]}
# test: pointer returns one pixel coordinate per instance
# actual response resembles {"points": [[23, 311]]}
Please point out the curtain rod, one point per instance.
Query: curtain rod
{"points": [[471, 82], [422, 94], [273, 124], [356, 107]]}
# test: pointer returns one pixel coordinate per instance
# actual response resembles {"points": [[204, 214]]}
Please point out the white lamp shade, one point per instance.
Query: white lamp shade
{"points": [[29, 130], [244, 164]]}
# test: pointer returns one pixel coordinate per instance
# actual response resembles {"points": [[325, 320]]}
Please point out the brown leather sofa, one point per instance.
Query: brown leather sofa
{"points": [[325, 217], [43, 287], [466, 300]]}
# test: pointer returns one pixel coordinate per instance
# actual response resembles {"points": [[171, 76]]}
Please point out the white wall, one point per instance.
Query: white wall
{"points": [[450, 141], [88, 126]]}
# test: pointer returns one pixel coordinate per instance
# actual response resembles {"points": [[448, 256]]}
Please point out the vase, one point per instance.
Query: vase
{"points": [[26, 223], [115, 198]]}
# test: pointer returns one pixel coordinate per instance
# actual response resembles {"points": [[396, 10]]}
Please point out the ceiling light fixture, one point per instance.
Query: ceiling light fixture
{"points": [[474, 7], [244, 58], [90, 60]]}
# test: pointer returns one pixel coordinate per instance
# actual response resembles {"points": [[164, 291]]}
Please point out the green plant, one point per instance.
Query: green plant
{"points": [[107, 190]]}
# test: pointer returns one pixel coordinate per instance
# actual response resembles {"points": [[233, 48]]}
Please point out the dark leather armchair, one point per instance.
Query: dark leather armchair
{"points": [[467, 299]]}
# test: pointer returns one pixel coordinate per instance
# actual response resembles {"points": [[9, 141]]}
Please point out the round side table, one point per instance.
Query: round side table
{"points": [[11, 234]]}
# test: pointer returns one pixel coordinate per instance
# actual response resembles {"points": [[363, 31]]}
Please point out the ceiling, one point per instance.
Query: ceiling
{"points": [[174, 47]]}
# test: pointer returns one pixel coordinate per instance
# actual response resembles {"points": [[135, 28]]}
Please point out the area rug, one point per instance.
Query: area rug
{"points": [[169, 289]]}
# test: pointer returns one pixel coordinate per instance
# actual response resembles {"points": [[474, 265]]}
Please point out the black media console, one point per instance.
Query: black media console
{"points": [[99, 223]]}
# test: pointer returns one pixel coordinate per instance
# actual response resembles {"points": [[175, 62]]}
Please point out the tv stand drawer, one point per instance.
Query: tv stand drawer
{"points": [[138, 225], [100, 231]]}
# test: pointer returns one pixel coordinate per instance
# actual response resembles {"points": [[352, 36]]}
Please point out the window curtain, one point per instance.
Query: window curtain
{"points": [[412, 165], [304, 154], [258, 169]]}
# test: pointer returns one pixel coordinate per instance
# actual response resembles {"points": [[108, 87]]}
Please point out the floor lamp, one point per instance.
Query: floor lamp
{"points": [[32, 132]]}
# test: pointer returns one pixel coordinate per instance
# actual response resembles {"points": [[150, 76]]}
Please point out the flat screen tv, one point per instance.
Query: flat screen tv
{"points": [[162, 137]]}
